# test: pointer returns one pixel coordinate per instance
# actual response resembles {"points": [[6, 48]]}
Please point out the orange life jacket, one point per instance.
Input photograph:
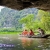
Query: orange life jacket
{"points": [[24, 32]]}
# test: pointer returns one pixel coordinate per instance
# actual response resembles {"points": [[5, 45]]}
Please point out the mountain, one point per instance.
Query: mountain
{"points": [[10, 17]]}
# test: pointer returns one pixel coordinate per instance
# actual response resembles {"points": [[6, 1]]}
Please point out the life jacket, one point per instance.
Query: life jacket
{"points": [[24, 32], [31, 33]]}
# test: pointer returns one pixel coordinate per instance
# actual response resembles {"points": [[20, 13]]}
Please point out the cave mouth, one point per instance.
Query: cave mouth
{"points": [[15, 21]]}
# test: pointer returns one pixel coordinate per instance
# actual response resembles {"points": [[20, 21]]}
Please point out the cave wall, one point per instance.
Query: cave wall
{"points": [[21, 4]]}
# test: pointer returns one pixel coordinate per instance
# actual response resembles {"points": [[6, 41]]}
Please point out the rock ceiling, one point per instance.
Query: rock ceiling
{"points": [[21, 4]]}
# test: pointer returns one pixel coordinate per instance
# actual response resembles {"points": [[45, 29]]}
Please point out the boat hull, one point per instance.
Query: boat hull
{"points": [[35, 36]]}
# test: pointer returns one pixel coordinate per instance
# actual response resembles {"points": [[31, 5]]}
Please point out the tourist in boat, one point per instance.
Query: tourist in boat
{"points": [[41, 31], [31, 33], [25, 33]]}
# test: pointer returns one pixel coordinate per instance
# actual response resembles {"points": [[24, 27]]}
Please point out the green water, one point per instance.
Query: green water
{"points": [[22, 43]]}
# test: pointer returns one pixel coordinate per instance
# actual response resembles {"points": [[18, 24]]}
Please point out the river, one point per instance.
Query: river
{"points": [[13, 42]]}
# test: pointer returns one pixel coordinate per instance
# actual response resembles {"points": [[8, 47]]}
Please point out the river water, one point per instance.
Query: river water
{"points": [[13, 42]]}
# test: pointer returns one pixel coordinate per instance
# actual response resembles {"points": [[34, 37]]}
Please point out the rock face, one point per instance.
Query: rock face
{"points": [[21, 4]]}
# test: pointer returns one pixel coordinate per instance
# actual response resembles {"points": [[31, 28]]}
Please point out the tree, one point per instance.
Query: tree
{"points": [[44, 18], [28, 21]]}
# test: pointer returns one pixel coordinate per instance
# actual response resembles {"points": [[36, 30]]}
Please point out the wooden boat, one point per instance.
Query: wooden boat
{"points": [[36, 36]]}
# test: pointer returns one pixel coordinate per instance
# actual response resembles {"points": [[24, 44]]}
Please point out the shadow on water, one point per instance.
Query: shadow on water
{"points": [[23, 43]]}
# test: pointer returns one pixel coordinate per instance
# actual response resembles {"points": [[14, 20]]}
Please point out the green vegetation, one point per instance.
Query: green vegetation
{"points": [[10, 32], [28, 21], [44, 19], [13, 21]]}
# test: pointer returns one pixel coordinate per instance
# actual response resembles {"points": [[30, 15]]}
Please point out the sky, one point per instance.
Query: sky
{"points": [[1, 7]]}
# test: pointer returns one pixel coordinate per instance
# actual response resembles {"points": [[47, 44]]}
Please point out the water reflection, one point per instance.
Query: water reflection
{"points": [[36, 44], [26, 42]]}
